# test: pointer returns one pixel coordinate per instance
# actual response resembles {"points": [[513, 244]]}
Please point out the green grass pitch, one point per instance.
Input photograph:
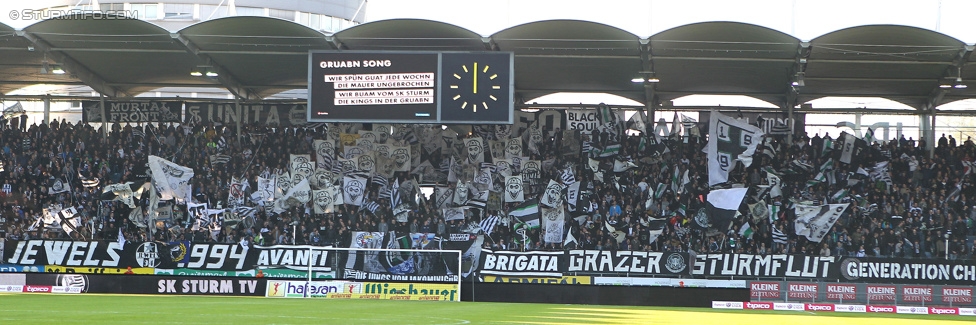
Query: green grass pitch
{"points": [[143, 309]]}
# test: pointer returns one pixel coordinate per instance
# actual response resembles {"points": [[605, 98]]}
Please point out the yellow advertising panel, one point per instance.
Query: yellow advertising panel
{"points": [[97, 270], [398, 291]]}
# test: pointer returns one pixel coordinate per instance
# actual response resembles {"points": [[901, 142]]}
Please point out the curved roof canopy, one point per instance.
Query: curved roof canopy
{"points": [[256, 57]]}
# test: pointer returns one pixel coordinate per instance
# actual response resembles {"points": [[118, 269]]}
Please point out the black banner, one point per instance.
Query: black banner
{"points": [[255, 114], [901, 270], [200, 256], [132, 111], [556, 264], [780, 266], [147, 284]]}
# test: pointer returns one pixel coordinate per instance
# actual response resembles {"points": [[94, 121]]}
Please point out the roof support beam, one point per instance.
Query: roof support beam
{"points": [[650, 88], [889, 96], [230, 82], [490, 44], [76, 68], [335, 42], [948, 77]]}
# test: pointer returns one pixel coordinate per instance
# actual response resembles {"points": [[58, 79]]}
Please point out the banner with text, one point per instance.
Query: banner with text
{"points": [[132, 111], [914, 271], [556, 264]]}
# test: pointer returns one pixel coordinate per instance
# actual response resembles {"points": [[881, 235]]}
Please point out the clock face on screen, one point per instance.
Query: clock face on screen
{"points": [[468, 94], [476, 87]]}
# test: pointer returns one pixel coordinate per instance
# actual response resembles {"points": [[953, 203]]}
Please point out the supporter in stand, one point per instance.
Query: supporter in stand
{"points": [[929, 211]]}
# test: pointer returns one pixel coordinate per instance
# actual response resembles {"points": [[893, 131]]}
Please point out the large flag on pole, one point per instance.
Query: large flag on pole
{"points": [[814, 221], [729, 140], [722, 205], [527, 213], [14, 110], [172, 180], [852, 148]]}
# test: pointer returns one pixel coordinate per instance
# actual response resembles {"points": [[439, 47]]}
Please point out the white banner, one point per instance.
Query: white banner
{"points": [[353, 189], [300, 166], [584, 120], [554, 220], [172, 180], [552, 196], [265, 190], [297, 195], [513, 148], [235, 195], [323, 200], [401, 158], [461, 193], [475, 150], [123, 192], [814, 222], [453, 214], [282, 184], [514, 190], [324, 152]]}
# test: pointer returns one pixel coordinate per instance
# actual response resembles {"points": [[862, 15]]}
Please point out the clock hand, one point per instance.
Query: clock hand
{"points": [[474, 90]]}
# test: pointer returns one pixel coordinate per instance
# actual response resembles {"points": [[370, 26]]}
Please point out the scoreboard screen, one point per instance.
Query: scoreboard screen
{"points": [[410, 87]]}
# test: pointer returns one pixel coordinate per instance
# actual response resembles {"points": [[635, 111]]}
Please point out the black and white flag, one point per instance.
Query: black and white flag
{"points": [[236, 192], [353, 189], [13, 111], [197, 214], [265, 190], [531, 170], [552, 196], [402, 158], [504, 166], [853, 147], [567, 176], [282, 184], [324, 153], [69, 220], [461, 193], [553, 220], [488, 224], [775, 187], [814, 222], [442, 196], [370, 206], [172, 180], [322, 178], [475, 150], [514, 191], [395, 199], [779, 237], [721, 206], [513, 147], [57, 185], [300, 166], [217, 159], [121, 192], [297, 195], [729, 140], [322, 200], [453, 214], [572, 196]]}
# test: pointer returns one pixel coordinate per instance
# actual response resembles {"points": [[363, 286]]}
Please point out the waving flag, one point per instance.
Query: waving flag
{"points": [[729, 140]]}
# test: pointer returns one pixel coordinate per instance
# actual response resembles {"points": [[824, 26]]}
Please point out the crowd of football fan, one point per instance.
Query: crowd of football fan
{"points": [[928, 211]]}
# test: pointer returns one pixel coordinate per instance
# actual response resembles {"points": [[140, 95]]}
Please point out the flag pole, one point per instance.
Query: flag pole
{"points": [[152, 218]]}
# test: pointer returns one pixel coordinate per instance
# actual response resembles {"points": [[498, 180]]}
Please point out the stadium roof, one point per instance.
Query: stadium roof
{"points": [[258, 56]]}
